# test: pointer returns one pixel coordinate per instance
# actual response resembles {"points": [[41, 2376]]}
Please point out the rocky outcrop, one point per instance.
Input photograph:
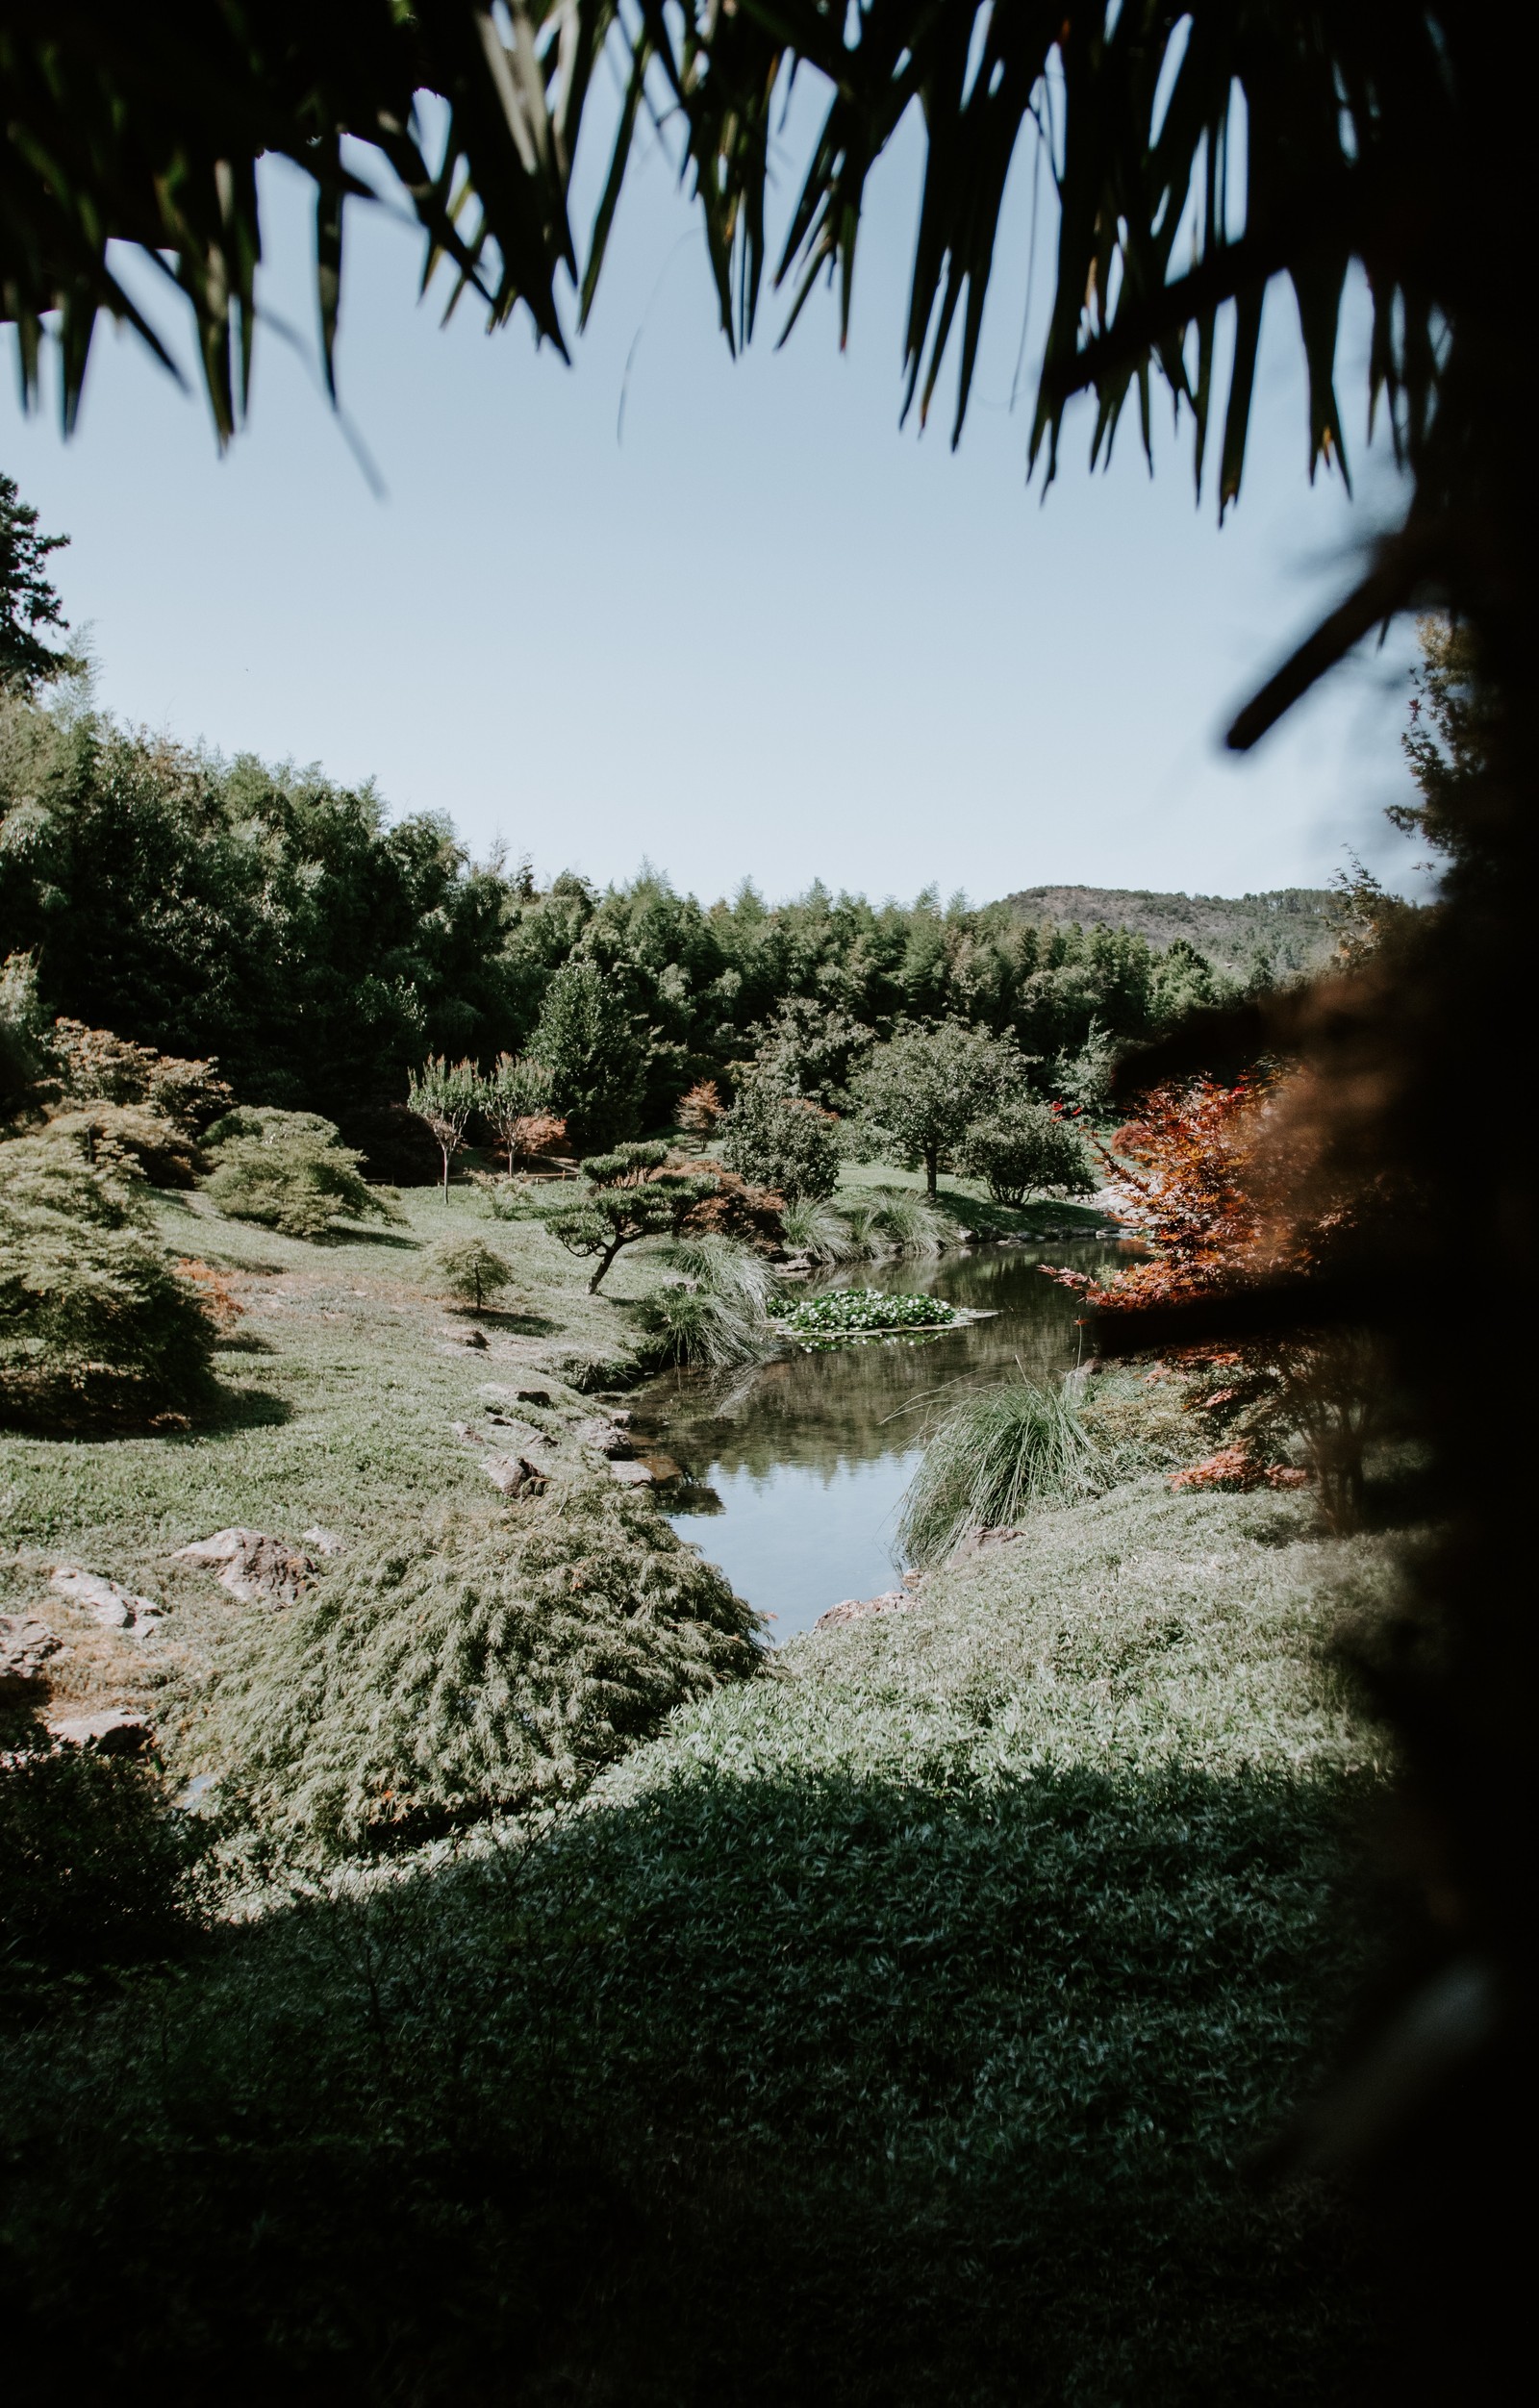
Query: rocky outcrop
{"points": [[114, 1607], [114, 1732], [25, 1648], [254, 1568], [856, 1608]]}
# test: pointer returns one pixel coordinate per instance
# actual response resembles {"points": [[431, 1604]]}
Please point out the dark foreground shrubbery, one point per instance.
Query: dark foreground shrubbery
{"points": [[865, 2091], [94, 1866], [474, 1667]]}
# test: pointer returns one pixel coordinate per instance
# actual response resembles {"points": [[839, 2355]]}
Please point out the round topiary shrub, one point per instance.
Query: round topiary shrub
{"points": [[781, 1141], [1024, 1148]]}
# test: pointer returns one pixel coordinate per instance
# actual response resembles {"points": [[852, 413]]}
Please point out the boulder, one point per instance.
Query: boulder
{"points": [[116, 1608], [321, 1541], [977, 1541], [603, 1434], [516, 1395], [114, 1732], [25, 1647], [256, 1569], [856, 1608], [513, 1474], [633, 1476]]}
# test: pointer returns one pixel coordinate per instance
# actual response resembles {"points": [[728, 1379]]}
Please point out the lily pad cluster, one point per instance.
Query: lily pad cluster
{"points": [[845, 1314]]}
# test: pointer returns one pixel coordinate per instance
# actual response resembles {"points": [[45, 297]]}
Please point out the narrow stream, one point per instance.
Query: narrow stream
{"points": [[796, 1468]]}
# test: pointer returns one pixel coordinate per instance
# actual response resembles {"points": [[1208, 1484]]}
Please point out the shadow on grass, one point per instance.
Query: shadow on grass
{"points": [[1042, 1219], [765, 2089], [366, 1233]]}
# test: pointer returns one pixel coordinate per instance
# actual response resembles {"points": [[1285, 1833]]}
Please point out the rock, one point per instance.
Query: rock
{"points": [[195, 1791], [256, 1569], [855, 1608], [112, 1733], [978, 1541], [633, 1476], [662, 1466], [114, 1607], [517, 1396], [603, 1434], [476, 1337], [321, 1541], [514, 1473], [25, 1647]]}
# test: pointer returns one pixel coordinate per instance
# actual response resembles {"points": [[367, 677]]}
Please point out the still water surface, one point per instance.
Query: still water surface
{"points": [[806, 1459]]}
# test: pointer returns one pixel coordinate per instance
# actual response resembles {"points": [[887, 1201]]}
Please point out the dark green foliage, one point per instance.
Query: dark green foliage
{"points": [[22, 1022], [94, 1319], [922, 1092], [481, 1665], [287, 1170], [781, 1141], [28, 601], [93, 1867], [630, 1197], [1024, 1148], [586, 1041]]}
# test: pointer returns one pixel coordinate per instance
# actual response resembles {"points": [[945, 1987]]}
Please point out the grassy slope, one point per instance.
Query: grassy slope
{"points": [[342, 1383], [891, 2029]]}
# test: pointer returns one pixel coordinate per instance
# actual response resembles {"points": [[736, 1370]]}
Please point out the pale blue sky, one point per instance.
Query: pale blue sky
{"points": [[766, 633]]}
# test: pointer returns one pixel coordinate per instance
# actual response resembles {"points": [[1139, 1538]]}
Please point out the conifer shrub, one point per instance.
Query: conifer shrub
{"points": [[469, 1270], [95, 1320], [479, 1665], [290, 1171]]}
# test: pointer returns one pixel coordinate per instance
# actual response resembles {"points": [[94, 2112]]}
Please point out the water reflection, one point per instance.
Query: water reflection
{"points": [[808, 1457]]}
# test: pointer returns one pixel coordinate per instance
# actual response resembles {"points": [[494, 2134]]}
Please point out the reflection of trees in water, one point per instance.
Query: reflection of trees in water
{"points": [[828, 1411]]}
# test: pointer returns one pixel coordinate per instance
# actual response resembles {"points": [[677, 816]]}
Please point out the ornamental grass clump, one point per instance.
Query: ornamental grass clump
{"points": [[715, 1307], [473, 1667], [95, 1320], [998, 1456], [817, 1228], [289, 1172]]}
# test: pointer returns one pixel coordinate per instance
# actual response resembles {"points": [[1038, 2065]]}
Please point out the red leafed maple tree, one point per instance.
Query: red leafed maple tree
{"points": [[1206, 1165]]}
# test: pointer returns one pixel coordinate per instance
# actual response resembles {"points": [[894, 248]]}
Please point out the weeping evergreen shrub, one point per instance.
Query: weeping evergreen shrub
{"points": [[290, 1171], [470, 1667], [95, 1320], [997, 1454]]}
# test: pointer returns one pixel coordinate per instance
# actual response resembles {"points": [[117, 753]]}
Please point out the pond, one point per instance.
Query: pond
{"points": [[796, 1468]]}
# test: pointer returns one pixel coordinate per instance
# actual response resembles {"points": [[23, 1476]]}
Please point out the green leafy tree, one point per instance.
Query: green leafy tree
{"points": [[630, 1196], [445, 1096], [22, 1022], [586, 1041], [781, 1141], [516, 1097], [1023, 1147], [923, 1091], [27, 598], [289, 1171], [94, 1319], [470, 1268]]}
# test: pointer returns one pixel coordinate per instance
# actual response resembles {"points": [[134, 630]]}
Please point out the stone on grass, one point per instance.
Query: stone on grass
{"points": [[602, 1433], [321, 1541], [114, 1607], [856, 1608], [516, 1395], [255, 1569], [633, 1476], [25, 1647], [114, 1732], [513, 1474]]}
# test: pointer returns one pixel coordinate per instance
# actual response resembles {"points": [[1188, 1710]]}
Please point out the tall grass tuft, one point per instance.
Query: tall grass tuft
{"points": [[715, 1309], [906, 1221], [997, 1455], [816, 1227]]}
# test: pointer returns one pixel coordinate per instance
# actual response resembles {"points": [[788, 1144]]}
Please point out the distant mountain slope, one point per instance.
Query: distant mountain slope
{"points": [[1291, 926]]}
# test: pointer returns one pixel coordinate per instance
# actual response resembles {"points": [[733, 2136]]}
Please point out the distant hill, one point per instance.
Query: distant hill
{"points": [[1291, 926]]}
